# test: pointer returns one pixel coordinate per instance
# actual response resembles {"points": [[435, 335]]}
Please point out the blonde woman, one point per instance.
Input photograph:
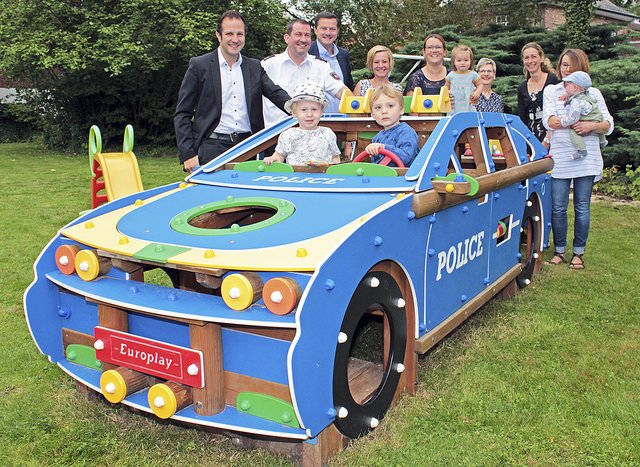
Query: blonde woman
{"points": [[538, 74], [380, 63]]}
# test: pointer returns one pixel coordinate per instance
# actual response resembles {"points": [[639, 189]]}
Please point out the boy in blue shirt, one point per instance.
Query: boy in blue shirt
{"points": [[387, 106]]}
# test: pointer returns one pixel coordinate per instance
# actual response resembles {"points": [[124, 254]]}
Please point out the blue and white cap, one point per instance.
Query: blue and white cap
{"points": [[308, 91], [580, 78]]}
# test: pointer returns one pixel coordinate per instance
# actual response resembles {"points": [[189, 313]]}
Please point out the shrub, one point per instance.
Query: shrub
{"points": [[620, 183], [16, 123]]}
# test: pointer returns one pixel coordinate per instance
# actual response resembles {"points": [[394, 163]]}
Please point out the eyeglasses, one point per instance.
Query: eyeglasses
{"points": [[565, 65], [430, 48]]}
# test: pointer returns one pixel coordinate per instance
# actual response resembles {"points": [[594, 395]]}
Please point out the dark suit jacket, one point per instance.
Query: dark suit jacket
{"points": [[344, 59], [200, 100]]}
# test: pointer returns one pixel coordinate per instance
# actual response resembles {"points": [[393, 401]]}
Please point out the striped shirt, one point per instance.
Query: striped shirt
{"points": [[561, 147]]}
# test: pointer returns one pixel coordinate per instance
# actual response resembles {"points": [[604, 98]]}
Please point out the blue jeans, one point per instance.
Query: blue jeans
{"points": [[582, 187]]}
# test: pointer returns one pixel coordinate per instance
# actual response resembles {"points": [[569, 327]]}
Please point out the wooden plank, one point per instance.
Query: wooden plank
{"points": [[499, 133], [472, 136], [212, 271], [355, 368], [235, 383], [459, 188], [430, 201], [510, 290], [69, 336], [135, 270], [276, 333], [207, 338], [366, 382]]}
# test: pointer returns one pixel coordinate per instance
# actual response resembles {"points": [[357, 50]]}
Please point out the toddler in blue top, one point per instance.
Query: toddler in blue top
{"points": [[387, 106]]}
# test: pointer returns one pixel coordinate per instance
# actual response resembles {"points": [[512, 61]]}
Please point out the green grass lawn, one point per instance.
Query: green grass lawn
{"points": [[551, 377]]}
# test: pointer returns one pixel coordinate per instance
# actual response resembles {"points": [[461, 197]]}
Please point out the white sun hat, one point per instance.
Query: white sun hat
{"points": [[308, 91]]}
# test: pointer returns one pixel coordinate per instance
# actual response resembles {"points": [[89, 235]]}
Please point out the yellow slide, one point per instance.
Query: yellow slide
{"points": [[116, 173]]}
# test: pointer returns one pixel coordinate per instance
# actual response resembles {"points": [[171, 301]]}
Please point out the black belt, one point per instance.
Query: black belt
{"points": [[233, 137]]}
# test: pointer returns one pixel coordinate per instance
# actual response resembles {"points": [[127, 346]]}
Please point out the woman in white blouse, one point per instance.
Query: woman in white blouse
{"points": [[582, 172]]}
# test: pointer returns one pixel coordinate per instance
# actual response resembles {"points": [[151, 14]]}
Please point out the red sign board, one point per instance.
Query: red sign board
{"points": [[152, 357]]}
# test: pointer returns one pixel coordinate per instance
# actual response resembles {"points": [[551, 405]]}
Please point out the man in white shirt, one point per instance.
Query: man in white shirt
{"points": [[295, 66], [220, 99], [326, 28]]}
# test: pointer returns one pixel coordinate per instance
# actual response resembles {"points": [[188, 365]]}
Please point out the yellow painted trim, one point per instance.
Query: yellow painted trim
{"points": [[101, 232], [104, 235]]}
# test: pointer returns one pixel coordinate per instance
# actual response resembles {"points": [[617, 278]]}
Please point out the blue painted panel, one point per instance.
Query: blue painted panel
{"points": [[155, 327], [394, 235], [152, 221], [41, 302], [541, 185], [253, 355], [167, 301], [509, 201], [457, 258], [82, 316], [302, 181], [122, 202]]}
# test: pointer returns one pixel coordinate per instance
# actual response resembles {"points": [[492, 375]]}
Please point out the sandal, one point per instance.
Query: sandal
{"points": [[577, 262], [558, 258]]}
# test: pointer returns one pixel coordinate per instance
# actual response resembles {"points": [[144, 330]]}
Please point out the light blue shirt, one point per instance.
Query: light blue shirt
{"points": [[332, 60]]}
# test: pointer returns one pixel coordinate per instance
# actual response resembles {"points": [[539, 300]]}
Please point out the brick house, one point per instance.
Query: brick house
{"points": [[605, 12]]}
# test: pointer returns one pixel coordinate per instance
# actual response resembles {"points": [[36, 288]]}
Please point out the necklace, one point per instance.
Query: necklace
{"points": [[536, 83]]}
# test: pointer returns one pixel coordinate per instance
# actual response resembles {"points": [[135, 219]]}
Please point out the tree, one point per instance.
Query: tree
{"points": [[365, 24], [112, 62], [578, 14]]}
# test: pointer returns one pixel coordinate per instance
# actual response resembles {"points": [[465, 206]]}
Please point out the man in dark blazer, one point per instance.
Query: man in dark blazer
{"points": [[326, 28], [220, 99]]}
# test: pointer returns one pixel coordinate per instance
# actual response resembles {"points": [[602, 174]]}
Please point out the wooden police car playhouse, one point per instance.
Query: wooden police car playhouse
{"points": [[276, 269]]}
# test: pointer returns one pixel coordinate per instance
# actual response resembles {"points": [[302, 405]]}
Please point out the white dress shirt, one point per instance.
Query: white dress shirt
{"points": [[235, 116], [287, 74]]}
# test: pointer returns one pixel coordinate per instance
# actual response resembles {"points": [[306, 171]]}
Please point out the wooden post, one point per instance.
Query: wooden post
{"points": [[207, 338], [329, 442], [112, 318], [182, 393]]}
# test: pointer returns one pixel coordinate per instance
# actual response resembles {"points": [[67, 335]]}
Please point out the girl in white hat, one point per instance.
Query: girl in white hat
{"points": [[307, 143]]}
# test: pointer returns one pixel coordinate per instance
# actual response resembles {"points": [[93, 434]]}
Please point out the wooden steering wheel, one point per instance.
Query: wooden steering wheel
{"points": [[388, 157]]}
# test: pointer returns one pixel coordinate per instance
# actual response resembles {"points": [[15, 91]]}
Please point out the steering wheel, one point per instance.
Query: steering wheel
{"points": [[388, 157]]}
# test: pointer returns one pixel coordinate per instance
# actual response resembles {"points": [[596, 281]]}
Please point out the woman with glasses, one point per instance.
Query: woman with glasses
{"points": [[538, 74], [489, 101], [582, 172], [431, 77]]}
